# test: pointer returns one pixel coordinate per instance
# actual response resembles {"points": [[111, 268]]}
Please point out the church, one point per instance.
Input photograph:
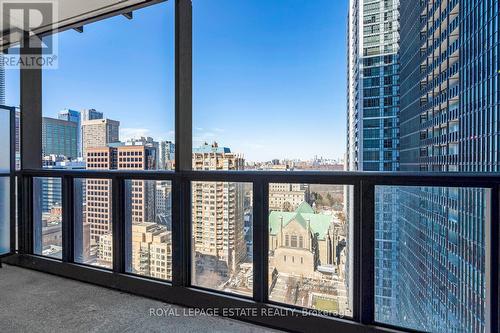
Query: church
{"points": [[301, 241]]}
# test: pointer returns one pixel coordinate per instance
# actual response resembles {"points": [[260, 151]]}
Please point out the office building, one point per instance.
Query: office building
{"points": [[140, 194], [373, 128], [91, 114], [142, 141], [59, 137], [166, 155], [99, 133], [287, 197], [105, 250], [98, 199], [75, 117], [163, 203]]}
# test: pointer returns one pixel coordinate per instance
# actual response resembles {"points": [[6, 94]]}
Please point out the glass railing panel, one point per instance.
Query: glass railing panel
{"points": [[430, 257]]}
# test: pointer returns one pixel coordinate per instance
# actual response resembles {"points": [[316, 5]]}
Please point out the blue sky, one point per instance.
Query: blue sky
{"points": [[269, 77]]}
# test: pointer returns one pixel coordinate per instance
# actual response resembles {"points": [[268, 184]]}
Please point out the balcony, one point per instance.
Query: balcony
{"points": [[388, 258], [366, 188]]}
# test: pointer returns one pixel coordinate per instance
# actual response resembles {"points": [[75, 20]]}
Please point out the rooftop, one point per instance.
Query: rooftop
{"points": [[319, 223], [213, 148]]}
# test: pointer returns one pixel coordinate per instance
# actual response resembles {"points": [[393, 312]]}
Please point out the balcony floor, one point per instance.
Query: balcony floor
{"points": [[31, 301]]}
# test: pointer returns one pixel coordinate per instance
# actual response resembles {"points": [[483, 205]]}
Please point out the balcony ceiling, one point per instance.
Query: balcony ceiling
{"points": [[70, 13]]}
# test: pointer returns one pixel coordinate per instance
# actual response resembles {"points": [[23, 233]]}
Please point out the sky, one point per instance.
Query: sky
{"points": [[269, 77]]}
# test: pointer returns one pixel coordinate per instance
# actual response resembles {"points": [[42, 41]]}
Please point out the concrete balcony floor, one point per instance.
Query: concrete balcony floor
{"points": [[31, 301]]}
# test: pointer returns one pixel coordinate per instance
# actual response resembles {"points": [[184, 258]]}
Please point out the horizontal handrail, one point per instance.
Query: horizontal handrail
{"points": [[324, 177]]}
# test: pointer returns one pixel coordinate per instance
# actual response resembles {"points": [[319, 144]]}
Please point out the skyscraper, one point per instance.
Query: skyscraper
{"points": [[140, 194], [373, 128], [99, 133], [449, 122], [75, 117], [163, 203], [91, 114], [373, 86], [166, 155], [98, 204], [59, 137], [217, 209]]}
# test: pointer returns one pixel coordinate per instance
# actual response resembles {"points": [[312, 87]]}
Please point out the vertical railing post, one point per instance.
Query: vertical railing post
{"points": [[177, 232], [118, 223], [260, 240], [366, 253], [354, 259], [181, 187], [25, 228], [181, 231], [186, 232], [68, 221]]}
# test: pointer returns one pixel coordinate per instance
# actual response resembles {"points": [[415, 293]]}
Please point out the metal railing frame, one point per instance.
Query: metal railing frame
{"points": [[181, 291]]}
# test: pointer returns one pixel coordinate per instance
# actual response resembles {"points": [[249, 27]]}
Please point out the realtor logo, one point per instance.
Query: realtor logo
{"points": [[24, 22]]}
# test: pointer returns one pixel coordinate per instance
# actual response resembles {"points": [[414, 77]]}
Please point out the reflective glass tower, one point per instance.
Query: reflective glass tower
{"points": [[449, 122], [373, 126]]}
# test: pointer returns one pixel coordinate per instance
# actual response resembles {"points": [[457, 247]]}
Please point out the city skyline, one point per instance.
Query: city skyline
{"points": [[260, 73]]}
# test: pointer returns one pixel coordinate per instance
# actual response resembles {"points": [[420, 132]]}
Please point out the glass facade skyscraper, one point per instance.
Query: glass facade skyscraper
{"points": [[74, 116], [448, 122], [373, 126], [59, 137]]}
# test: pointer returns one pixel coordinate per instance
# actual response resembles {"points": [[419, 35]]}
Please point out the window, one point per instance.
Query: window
{"points": [[47, 207], [222, 236], [93, 216], [148, 233], [4, 215], [312, 224], [113, 91], [421, 244], [5, 141], [258, 94]]}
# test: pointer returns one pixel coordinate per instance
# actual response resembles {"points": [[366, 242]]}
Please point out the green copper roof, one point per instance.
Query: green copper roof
{"points": [[319, 223], [304, 208]]}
